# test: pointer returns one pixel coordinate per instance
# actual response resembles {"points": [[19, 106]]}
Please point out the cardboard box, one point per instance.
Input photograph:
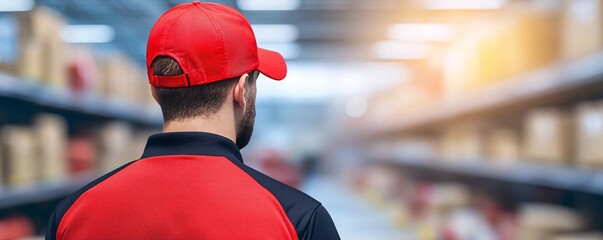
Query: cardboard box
{"points": [[55, 57], [39, 23], [19, 159], [117, 77], [31, 63], [461, 65], [99, 84], [548, 136], [503, 145], [538, 31], [582, 28], [113, 145], [535, 221], [51, 135], [589, 134], [498, 47], [462, 143], [32, 47]]}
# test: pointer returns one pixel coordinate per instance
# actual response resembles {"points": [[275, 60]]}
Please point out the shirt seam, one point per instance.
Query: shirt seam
{"points": [[80, 197], [267, 190], [310, 220]]}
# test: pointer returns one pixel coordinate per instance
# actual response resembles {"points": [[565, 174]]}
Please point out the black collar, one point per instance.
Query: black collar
{"points": [[191, 143]]}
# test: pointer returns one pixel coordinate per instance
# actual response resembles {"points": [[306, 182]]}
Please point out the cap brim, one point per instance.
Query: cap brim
{"points": [[272, 64]]}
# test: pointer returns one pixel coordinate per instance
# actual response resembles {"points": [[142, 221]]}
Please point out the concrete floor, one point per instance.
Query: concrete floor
{"points": [[354, 218]]}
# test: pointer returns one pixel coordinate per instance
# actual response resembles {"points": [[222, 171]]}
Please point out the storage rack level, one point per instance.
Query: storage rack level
{"points": [[537, 175], [41, 192], [560, 83], [17, 94], [21, 100]]}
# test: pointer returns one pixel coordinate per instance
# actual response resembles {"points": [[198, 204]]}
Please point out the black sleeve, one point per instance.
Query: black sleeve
{"points": [[321, 226], [51, 228]]}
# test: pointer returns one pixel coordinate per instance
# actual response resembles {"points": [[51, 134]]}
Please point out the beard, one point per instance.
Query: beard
{"points": [[245, 126]]}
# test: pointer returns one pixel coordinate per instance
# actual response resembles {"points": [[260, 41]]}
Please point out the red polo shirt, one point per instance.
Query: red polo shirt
{"points": [[189, 186]]}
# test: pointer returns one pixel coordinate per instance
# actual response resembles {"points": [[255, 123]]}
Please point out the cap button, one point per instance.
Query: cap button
{"points": [[196, 2]]}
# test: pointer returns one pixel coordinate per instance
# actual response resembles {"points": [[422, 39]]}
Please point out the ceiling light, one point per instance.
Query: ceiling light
{"points": [[356, 107], [16, 5], [420, 32], [268, 5], [464, 4], [88, 33], [401, 50], [275, 33]]}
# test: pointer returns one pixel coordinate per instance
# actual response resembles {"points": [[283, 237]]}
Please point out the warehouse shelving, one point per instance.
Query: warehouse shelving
{"points": [[565, 81], [517, 183], [537, 175], [91, 105], [28, 94], [562, 85], [40, 192]]}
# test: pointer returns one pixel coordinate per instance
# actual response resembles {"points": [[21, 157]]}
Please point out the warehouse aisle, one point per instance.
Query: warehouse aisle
{"points": [[355, 219]]}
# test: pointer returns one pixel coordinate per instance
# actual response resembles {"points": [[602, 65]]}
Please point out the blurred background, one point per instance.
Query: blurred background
{"points": [[407, 119]]}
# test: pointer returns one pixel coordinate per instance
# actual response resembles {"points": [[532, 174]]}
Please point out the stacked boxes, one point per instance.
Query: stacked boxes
{"points": [[113, 145], [548, 136], [31, 63], [462, 143], [116, 72], [502, 145], [537, 37], [51, 133], [543, 221], [56, 57], [519, 40], [32, 48], [18, 155], [42, 51], [33, 153], [119, 78], [427, 209], [589, 134], [582, 28], [44, 151]]}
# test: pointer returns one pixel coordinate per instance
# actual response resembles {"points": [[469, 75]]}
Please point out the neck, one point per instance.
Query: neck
{"points": [[216, 124]]}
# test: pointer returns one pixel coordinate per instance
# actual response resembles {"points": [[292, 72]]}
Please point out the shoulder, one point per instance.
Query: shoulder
{"points": [[64, 206], [321, 226], [298, 206]]}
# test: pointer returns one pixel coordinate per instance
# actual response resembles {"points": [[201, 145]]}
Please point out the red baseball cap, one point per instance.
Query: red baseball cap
{"points": [[210, 42]]}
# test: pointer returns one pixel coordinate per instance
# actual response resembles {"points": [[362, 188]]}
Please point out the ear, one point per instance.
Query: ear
{"points": [[154, 93], [239, 91]]}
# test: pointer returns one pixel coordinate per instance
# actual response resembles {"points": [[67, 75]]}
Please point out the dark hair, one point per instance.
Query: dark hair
{"points": [[189, 102]]}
